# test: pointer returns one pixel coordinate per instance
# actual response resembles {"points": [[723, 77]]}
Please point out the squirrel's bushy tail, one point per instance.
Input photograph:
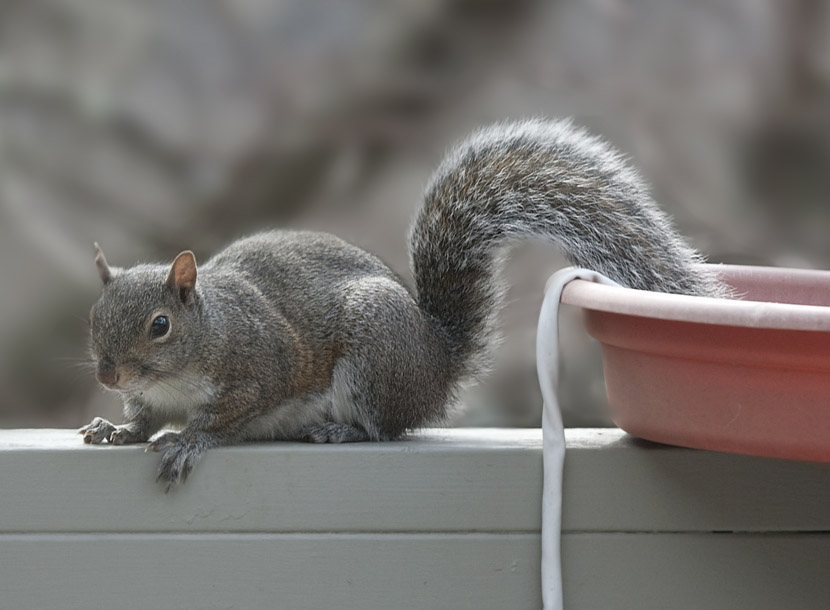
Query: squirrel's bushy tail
{"points": [[542, 179]]}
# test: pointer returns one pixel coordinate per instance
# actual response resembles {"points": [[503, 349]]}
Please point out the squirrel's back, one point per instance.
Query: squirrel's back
{"points": [[308, 278]]}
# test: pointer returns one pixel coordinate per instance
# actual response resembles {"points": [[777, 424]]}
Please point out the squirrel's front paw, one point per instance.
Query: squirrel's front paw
{"points": [[97, 431], [178, 457]]}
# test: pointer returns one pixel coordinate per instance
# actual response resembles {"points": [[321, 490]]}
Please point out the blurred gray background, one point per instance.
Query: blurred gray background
{"points": [[152, 127]]}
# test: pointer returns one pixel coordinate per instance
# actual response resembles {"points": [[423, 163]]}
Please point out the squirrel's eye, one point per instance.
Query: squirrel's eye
{"points": [[159, 327]]}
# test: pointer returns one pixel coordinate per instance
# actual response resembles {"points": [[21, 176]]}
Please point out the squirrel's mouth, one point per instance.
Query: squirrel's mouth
{"points": [[120, 387]]}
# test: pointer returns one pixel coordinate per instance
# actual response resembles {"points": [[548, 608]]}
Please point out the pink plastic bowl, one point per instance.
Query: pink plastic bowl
{"points": [[747, 376]]}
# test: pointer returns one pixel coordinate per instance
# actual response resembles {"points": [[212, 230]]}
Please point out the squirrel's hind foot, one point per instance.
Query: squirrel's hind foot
{"points": [[331, 432]]}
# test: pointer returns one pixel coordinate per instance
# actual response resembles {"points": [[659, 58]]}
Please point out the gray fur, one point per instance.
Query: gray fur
{"points": [[537, 179], [297, 335]]}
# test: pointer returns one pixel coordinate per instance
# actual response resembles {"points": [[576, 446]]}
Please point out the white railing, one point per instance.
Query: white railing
{"points": [[447, 519]]}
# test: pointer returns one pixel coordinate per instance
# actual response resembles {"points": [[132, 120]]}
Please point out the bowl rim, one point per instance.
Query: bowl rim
{"points": [[708, 310]]}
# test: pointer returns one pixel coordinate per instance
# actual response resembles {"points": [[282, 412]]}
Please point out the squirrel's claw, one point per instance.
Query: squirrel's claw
{"points": [[97, 431], [177, 460], [168, 439]]}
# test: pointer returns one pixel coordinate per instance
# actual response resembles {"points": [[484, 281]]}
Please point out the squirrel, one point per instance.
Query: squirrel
{"points": [[294, 335]]}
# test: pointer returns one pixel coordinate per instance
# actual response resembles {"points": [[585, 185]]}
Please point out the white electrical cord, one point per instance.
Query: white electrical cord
{"points": [[553, 434]]}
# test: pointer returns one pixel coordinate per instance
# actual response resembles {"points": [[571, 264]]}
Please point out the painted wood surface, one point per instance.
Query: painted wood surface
{"points": [[661, 571], [270, 571], [439, 480], [446, 519], [631, 571]]}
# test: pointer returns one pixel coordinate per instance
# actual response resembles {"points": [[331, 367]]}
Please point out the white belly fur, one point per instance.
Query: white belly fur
{"points": [[176, 398]]}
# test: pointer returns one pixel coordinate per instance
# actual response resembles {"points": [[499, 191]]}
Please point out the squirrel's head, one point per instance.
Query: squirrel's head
{"points": [[144, 325]]}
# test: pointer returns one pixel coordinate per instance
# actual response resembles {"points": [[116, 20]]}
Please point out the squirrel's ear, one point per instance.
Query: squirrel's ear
{"points": [[104, 271], [182, 277]]}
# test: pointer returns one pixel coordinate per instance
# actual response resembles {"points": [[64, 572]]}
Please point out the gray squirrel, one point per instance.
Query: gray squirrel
{"points": [[301, 336]]}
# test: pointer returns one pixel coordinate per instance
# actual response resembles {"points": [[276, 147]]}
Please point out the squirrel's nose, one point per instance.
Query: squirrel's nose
{"points": [[107, 373]]}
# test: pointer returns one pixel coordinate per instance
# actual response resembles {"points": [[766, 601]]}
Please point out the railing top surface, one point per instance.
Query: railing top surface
{"points": [[448, 480]]}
